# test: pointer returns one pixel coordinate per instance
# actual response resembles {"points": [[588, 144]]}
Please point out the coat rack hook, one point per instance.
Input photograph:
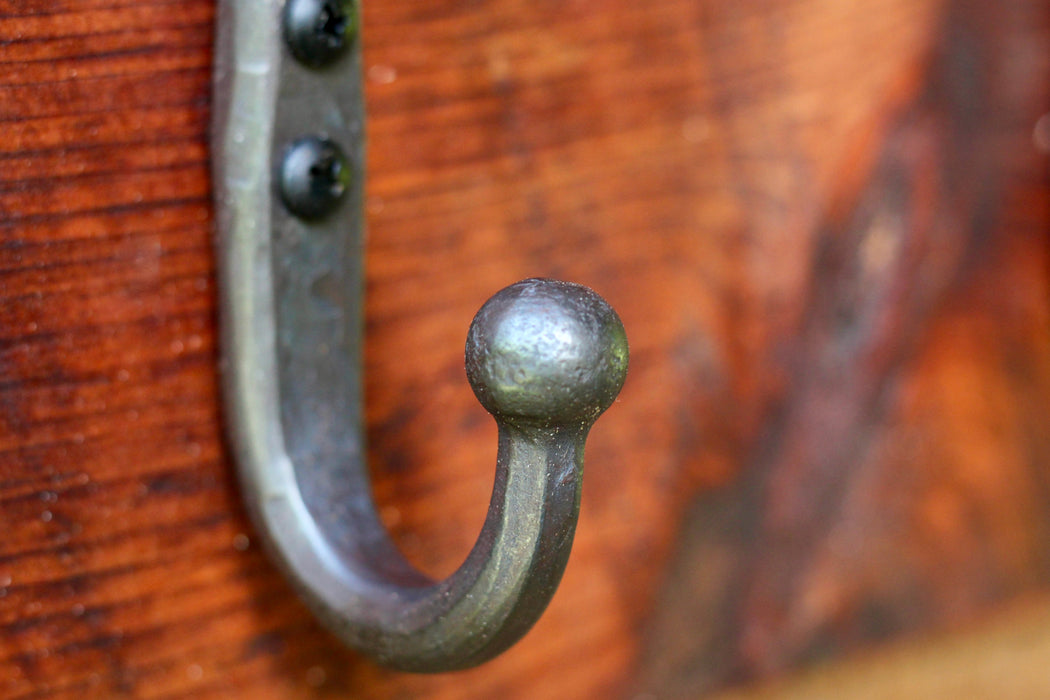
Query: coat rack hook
{"points": [[546, 358]]}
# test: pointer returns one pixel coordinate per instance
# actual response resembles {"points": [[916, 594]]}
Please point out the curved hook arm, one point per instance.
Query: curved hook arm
{"points": [[545, 358]]}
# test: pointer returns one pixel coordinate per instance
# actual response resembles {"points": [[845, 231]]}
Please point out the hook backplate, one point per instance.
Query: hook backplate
{"points": [[291, 315]]}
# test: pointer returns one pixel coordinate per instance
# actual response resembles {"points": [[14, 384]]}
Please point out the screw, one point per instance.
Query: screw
{"points": [[319, 31], [314, 175]]}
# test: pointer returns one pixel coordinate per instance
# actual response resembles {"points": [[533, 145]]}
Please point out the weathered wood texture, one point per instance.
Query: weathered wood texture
{"points": [[823, 223]]}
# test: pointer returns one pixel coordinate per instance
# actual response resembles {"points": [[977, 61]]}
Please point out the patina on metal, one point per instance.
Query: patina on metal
{"points": [[546, 358]]}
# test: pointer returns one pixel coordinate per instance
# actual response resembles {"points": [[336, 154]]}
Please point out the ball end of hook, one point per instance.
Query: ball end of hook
{"points": [[544, 352]]}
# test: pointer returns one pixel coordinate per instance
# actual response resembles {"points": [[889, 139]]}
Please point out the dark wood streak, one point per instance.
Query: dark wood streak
{"points": [[829, 540]]}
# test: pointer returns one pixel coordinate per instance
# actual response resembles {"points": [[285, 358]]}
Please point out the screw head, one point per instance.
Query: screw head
{"points": [[314, 176], [319, 31]]}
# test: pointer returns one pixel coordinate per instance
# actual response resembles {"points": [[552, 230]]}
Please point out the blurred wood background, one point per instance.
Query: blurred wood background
{"points": [[823, 222]]}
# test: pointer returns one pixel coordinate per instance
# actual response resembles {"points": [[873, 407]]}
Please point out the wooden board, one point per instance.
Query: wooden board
{"points": [[823, 224]]}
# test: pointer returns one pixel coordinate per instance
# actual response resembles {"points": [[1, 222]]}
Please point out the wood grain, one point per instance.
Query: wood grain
{"points": [[823, 224]]}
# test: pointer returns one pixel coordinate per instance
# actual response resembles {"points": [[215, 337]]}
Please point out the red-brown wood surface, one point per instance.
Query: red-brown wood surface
{"points": [[824, 224]]}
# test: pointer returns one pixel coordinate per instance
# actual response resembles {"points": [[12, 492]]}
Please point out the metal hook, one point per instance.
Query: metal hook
{"points": [[546, 358]]}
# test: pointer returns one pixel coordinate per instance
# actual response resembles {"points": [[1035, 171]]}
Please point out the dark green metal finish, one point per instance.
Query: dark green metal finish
{"points": [[546, 358]]}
